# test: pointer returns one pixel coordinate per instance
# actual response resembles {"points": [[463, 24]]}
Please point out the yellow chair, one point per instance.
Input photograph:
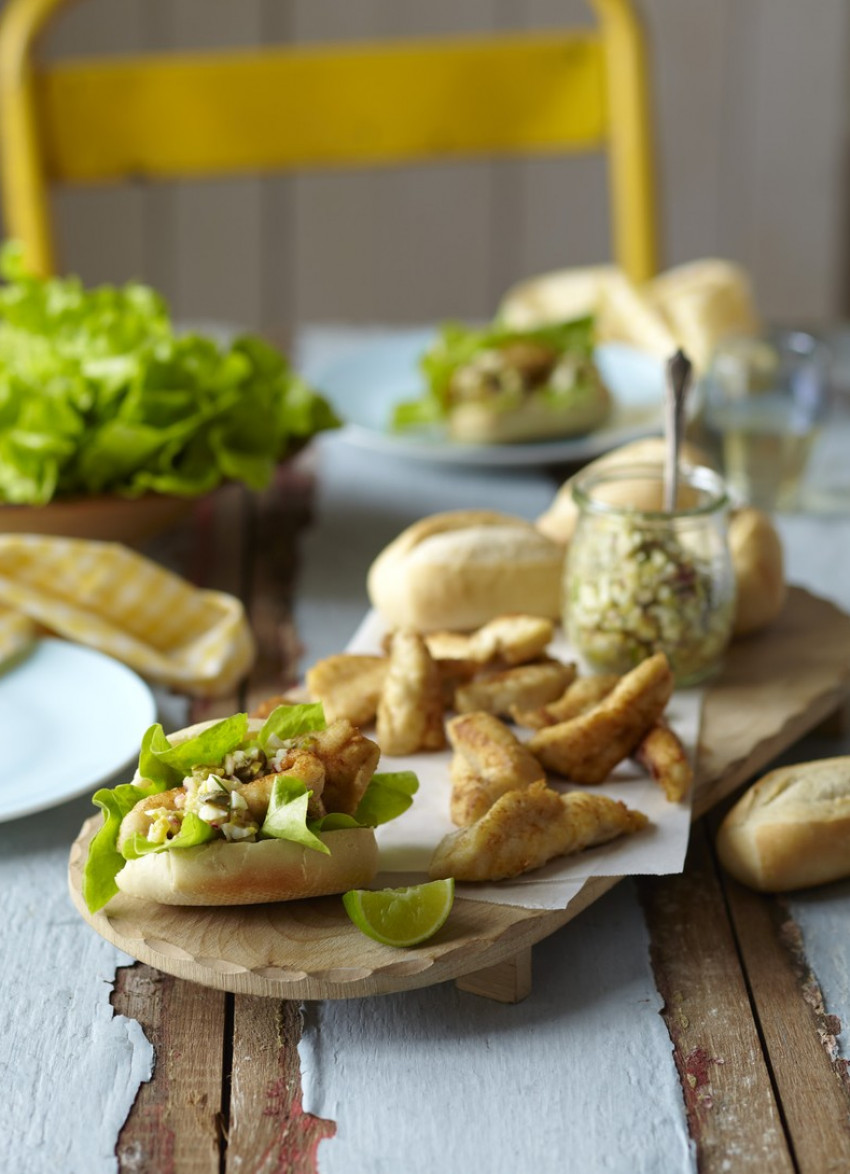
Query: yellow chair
{"points": [[180, 115]]}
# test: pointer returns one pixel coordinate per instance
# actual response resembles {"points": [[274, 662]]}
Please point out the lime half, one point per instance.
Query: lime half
{"points": [[401, 917]]}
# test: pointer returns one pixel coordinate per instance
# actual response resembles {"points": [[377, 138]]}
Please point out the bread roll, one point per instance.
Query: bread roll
{"points": [[457, 570], [791, 829], [534, 418], [692, 306], [219, 873], [222, 873], [558, 521], [759, 572]]}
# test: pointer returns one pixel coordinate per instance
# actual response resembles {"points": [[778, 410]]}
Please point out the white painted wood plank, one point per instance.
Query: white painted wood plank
{"points": [[578, 1077], [397, 245], [799, 157], [69, 1068], [215, 227]]}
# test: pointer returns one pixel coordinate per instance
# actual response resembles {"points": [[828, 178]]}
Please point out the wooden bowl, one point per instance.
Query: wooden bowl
{"points": [[105, 518]]}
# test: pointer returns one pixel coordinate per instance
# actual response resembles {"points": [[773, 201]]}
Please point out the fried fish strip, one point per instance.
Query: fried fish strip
{"points": [[488, 761], [663, 756], [297, 764], [581, 695], [587, 748], [349, 759], [410, 709], [525, 686], [525, 829], [348, 685], [509, 639]]}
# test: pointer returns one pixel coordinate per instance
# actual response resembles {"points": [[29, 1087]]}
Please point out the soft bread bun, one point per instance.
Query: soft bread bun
{"points": [[692, 306], [222, 873], [791, 829], [474, 422], [621, 311], [704, 302], [759, 569], [460, 569], [558, 521]]}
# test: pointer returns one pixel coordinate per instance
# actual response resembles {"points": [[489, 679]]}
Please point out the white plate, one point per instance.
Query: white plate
{"points": [[365, 385], [71, 718]]}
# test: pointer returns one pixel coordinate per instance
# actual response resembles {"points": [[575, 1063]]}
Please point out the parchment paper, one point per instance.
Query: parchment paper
{"points": [[406, 844]]}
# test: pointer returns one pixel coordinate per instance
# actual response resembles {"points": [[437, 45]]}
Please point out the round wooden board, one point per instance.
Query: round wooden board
{"points": [[302, 949], [774, 689]]}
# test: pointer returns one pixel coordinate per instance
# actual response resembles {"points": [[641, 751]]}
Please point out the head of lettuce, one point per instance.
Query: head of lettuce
{"points": [[100, 394]]}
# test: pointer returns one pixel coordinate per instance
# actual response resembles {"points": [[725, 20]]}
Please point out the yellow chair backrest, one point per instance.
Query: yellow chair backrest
{"points": [[167, 116]]}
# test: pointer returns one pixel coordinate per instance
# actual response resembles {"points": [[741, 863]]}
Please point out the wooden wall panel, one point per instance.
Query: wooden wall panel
{"points": [[751, 131], [101, 233], [548, 213], [798, 149], [403, 245]]}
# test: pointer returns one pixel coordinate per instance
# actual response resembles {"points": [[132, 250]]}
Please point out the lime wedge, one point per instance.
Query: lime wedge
{"points": [[401, 917]]}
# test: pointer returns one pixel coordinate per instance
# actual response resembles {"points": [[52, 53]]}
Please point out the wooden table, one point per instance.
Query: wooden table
{"points": [[679, 1023]]}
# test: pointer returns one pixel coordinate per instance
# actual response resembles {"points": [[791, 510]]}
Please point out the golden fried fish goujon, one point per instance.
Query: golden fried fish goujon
{"points": [[587, 748], [506, 640], [525, 685], [348, 685], [489, 760], [663, 756], [410, 709], [525, 829], [581, 695]]}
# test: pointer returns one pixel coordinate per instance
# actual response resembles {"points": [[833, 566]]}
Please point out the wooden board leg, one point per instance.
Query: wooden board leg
{"points": [[837, 724], [506, 982]]}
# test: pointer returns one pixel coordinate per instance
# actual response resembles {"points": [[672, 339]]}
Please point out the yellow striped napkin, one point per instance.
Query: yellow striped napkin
{"points": [[109, 597]]}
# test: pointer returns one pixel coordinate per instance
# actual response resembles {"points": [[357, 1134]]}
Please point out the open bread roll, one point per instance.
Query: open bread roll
{"points": [[534, 418], [219, 873], [247, 873], [791, 829], [457, 570]]}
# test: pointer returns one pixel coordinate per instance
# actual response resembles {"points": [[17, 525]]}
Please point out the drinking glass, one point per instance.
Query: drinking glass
{"points": [[765, 399]]}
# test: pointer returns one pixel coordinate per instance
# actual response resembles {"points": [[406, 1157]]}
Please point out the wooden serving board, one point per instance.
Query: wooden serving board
{"points": [[774, 688]]}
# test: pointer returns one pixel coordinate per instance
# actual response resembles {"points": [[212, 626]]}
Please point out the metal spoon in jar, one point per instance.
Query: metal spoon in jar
{"points": [[679, 370]]}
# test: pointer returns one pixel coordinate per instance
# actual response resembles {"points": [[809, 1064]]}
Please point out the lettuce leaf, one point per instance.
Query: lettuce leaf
{"points": [[387, 797], [99, 394], [286, 818], [151, 767], [104, 861], [288, 721], [208, 748], [193, 831]]}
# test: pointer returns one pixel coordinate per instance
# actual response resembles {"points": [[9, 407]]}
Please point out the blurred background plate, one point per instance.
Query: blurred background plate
{"points": [[77, 717], [103, 517], [365, 384]]}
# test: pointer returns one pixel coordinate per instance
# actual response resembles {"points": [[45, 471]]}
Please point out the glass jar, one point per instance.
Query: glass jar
{"points": [[639, 579]]}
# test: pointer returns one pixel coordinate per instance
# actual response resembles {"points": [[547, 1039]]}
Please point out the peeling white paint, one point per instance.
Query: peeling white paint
{"points": [[577, 1078], [69, 1067]]}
